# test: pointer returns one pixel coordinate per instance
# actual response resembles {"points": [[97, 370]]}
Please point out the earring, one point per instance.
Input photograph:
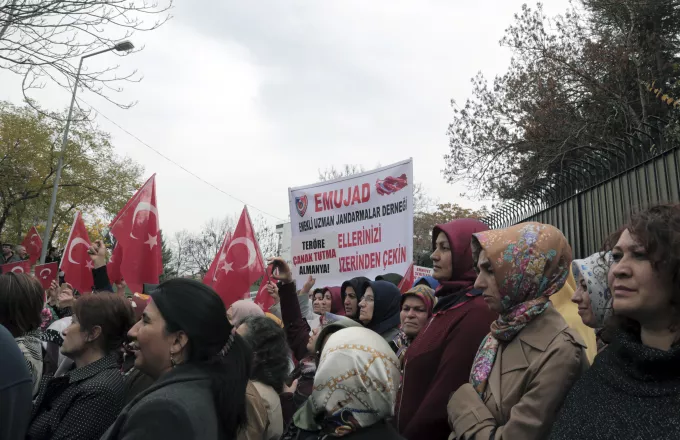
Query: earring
{"points": [[173, 363]]}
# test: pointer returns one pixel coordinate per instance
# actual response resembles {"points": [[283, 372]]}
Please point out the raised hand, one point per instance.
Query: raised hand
{"points": [[66, 298], [284, 274], [309, 284], [98, 254]]}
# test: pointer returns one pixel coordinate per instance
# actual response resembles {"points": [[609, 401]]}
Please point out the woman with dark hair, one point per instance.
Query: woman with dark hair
{"points": [[21, 303], [83, 403], [380, 307], [631, 390], [351, 293], [269, 370], [185, 342]]}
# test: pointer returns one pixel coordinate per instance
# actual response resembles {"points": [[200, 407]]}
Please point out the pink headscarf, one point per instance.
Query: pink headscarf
{"points": [[243, 308]]}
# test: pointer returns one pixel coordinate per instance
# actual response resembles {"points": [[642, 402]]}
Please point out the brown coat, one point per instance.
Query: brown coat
{"points": [[529, 381], [256, 412]]}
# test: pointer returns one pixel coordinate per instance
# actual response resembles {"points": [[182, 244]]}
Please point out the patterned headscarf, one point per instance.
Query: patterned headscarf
{"points": [[594, 271], [425, 293], [530, 262], [355, 385]]}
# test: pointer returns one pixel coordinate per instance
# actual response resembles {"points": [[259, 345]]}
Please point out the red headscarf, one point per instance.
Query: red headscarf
{"points": [[459, 233]]}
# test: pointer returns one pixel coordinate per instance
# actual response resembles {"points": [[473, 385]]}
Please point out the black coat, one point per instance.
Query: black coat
{"points": [[630, 392], [79, 405], [178, 406]]}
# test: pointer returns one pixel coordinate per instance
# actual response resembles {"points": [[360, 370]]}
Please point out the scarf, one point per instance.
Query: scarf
{"points": [[31, 348], [594, 270], [243, 308], [530, 262], [355, 385], [386, 306]]}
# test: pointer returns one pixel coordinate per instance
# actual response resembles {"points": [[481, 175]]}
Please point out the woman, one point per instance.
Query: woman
{"points": [[82, 403], [393, 278], [526, 365], [21, 302], [592, 295], [351, 292], [438, 361], [379, 308], [416, 310], [632, 389], [344, 403], [185, 342], [241, 309], [430, 282], [329, 300], [269, 370]]}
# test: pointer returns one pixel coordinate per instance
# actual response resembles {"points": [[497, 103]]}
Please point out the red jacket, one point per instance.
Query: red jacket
{"points": [[437, 363]]}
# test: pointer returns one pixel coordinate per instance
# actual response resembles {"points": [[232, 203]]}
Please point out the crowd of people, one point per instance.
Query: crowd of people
{"points": [[510, 338]]}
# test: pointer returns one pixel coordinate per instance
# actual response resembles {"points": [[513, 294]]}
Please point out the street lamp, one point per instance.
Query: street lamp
{"points": [[123, 46]]}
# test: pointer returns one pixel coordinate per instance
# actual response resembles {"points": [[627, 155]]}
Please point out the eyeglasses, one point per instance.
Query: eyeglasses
{"points": [[368, 299]]}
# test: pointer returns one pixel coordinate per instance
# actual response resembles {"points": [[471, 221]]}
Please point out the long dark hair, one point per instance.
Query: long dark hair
{"points": [[657, 229], [270, 351], [21, 301], [198, 311]]}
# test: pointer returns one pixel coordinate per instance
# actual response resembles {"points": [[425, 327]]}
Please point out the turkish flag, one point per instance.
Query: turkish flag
{"points": [[18, 267], [33, 244], [408, 280], [243, 263], [113, 266], [263, 298], [76, 262], [46, 273], [136, 230], [210, 277]]}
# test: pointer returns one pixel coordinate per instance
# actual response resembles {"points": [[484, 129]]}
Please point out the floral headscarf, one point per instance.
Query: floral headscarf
{"points": [[425, 293], [530, 262], [355, 385], [594, 271]]}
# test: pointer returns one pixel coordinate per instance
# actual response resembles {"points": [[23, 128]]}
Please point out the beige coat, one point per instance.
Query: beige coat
{"points": [[263, 409], [529, 381]]}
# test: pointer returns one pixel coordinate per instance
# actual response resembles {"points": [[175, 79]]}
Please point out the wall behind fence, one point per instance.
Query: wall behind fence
{"points": [[587, 218]]}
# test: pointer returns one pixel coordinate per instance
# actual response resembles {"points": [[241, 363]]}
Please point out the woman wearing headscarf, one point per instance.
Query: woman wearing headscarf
{"points": [[438, 361], [379, 308], [429, 281], [345, 403], [241, 309], [351, 292], [416, 310], [527, 363], [592, 294], [632, 389], [393, 278], [185, 342]]}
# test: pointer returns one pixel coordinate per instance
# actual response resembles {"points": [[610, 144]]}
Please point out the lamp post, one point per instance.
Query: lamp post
{"points": [[123, 46]]}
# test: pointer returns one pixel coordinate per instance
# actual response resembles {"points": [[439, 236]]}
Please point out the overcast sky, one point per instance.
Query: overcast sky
{"points": [[257, 96]]}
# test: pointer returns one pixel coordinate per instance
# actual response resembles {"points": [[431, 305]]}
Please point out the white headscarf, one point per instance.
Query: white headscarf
{"points": [[355, 385], [594, 271]]}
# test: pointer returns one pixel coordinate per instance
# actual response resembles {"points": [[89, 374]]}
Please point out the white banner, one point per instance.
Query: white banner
{"points": [[360, 225], [421, 271]]}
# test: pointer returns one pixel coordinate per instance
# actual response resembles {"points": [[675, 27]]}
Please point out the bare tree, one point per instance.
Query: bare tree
{"points": [[266, 237], [334, 173], [180, 246], [43, 39]]}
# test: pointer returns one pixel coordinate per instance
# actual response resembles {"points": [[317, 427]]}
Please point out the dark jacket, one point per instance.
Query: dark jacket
{"points": [[439, 360], [379, 431], [80, 404], [296, 326], [178, 406], [16, 389], [630, 392], [386, 308], [14, 258]]}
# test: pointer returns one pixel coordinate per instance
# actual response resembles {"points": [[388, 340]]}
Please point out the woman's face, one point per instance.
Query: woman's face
{"points": [[152, 344], [351, 303], [486, 282], [326, 302], [581, 298], [75, 339], [413, 316], [366, 306], [316, 303], [441, 259], [639, 291], [312, 340]]}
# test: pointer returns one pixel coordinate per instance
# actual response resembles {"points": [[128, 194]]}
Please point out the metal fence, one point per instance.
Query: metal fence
{"points": [[589, 216]]}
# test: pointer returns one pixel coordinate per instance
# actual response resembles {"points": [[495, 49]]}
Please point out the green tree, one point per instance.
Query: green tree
{"points": [[423, 222], [166, 254], [94, 179], [573, 98]]}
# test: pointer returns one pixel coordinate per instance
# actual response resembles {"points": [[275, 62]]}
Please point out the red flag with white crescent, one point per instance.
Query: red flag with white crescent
{"points": [[243, 263], [76, 263], [263, 298], [113, 266], [408, 280], [210, 276], [33, 244], [136, 230], [46, 273], [18, 267]]}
